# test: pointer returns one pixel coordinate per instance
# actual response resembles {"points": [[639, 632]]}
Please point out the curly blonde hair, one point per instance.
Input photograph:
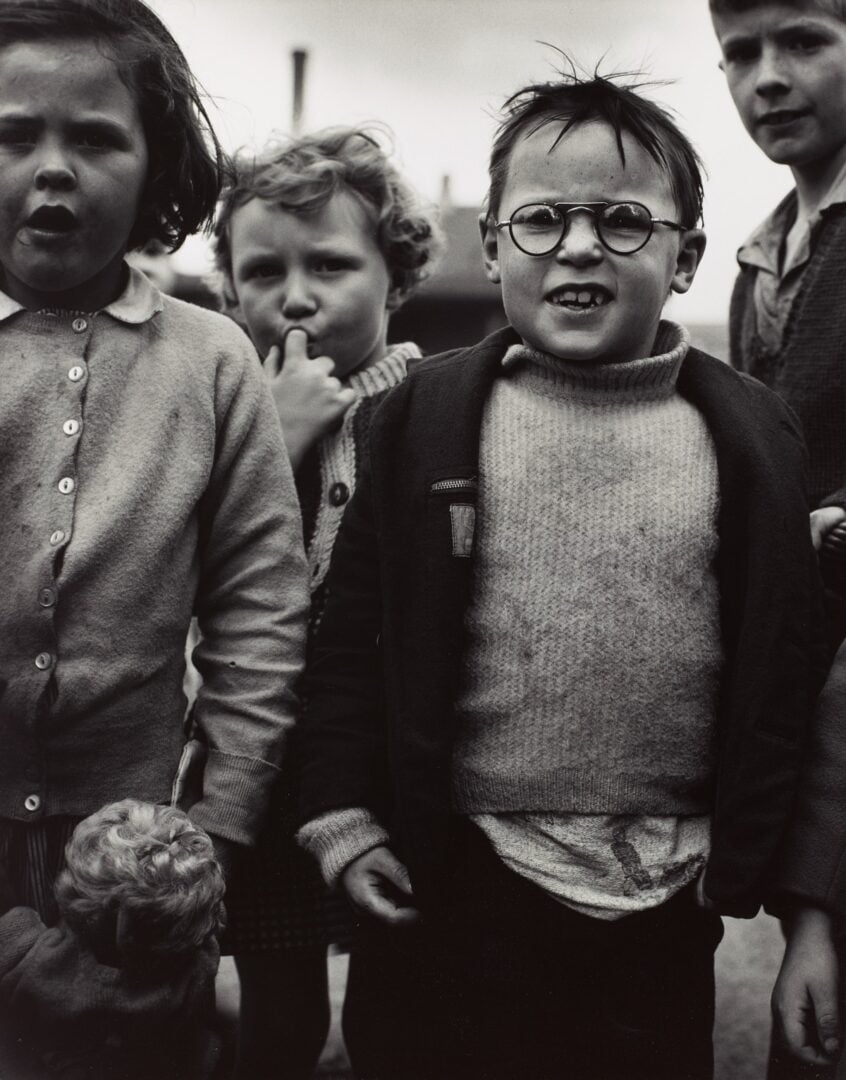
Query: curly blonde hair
{"points": [[141, 882], [303, 174]]}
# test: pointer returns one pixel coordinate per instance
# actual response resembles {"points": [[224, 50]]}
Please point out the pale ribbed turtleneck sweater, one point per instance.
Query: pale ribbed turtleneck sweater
{"points": [[585, 723]]}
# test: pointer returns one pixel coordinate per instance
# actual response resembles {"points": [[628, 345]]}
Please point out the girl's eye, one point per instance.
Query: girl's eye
{"points": [[332, 265], [17, 136], [95, 139], [264, 270], [92, 139]]}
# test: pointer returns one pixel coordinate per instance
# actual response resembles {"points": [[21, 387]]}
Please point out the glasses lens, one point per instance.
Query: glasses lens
{"points": [[537, 229], [624, 226]]}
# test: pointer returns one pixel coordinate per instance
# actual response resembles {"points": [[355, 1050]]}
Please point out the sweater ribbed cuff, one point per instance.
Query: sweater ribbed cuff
{"points": [[337, 838], [235, 794]]}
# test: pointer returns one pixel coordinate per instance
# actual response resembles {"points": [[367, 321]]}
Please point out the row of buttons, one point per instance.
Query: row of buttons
{"points": [[47, 596], [70, 427]]}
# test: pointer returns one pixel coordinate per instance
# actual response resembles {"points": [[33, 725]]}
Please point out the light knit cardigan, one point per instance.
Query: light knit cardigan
{"points": [[143, 469]]}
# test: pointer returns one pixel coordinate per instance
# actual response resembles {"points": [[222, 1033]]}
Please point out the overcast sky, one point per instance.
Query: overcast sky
{"points": [[435, 71]]}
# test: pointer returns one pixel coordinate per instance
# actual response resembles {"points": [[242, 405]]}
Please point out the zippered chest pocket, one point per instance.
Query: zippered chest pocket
{"points": [[461, 492]]}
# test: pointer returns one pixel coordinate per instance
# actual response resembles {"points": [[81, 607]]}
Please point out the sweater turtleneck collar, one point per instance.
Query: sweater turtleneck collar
{"points": [[648, 377], [386, 373]]}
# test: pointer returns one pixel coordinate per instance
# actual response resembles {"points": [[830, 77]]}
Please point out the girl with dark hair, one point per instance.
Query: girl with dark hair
{"points": [[145, 475]]}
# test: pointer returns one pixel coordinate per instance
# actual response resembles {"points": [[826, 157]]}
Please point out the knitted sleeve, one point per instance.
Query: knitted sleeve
{"points": [[252, 602], [813, 864], [20, 928], [338, 838]]}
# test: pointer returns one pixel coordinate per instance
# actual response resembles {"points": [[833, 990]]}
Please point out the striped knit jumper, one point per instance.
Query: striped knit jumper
{"points": [[329, 475], [593, 655]]}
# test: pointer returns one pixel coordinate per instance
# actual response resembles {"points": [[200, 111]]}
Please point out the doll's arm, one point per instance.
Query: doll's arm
{"points": [[805, 997]]}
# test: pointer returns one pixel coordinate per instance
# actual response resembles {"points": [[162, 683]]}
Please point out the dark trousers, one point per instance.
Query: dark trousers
{"points": [[509, 984]]}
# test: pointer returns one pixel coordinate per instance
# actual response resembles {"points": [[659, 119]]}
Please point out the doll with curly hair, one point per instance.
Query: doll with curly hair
{"points": [[123, 986]]}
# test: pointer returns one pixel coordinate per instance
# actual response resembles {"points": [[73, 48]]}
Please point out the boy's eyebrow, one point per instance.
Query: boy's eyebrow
{"points": [[781, 31]]}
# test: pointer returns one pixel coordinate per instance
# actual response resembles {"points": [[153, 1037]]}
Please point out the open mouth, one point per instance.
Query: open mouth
{"points": [[583, 298], [54, 219]]}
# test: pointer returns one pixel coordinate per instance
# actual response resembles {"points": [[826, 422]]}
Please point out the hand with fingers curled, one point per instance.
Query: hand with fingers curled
{"points": [[824, 521], [309, 399], [377, 884], [805, 1001]]}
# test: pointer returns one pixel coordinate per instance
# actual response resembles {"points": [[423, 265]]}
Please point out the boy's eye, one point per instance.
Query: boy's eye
{"points": [[537, 218], [626, 218], [741, 53], [804, 42]]}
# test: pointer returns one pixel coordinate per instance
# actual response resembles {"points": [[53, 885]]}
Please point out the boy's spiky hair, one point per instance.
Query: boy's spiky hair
{"points": [[186, 162], [572, 100], [837, 8], [302, 175], [141, 883]]}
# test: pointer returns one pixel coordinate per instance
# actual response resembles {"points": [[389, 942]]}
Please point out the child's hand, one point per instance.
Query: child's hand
{"points": [[823, 521], [309, 399], [377, 883], [805, 996], [226, 852]]}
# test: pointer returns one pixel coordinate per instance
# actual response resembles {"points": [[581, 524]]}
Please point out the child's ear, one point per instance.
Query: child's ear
{"points": [[490, 247], [396, 298], [691, 250]]}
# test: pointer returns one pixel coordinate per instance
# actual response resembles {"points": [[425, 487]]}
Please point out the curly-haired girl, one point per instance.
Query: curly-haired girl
{"points": [[318, 242]]}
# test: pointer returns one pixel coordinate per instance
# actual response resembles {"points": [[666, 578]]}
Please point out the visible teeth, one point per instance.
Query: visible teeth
{"points": [[584, 298]]}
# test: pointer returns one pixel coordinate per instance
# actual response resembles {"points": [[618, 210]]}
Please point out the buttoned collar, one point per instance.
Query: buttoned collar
{"points": [[138, 302]]}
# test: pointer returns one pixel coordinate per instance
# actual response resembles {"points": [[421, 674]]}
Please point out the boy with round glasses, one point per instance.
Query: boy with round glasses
{"points": [[566, 663]]}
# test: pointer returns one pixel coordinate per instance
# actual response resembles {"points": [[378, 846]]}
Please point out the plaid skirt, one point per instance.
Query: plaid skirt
{"points": [[276, 898], [32, 855]]}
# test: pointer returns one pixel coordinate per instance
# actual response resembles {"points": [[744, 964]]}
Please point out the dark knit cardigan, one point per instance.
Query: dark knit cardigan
{"points": [[809, 372], [379, 728]]}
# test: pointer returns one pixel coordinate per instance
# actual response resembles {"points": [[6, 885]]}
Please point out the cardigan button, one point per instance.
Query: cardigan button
{"points": [[79, 326], [47, 597], [32, 803], [57, 537], [338, 494], [43, 661], [76, 373]]}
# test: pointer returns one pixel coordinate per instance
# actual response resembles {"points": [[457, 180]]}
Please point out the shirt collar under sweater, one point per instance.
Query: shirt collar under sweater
{"points": [[138, 302], [649, 377]]}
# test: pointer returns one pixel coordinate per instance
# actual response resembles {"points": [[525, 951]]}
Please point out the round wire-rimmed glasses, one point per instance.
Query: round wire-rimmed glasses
{"points": [[621, 227]]}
